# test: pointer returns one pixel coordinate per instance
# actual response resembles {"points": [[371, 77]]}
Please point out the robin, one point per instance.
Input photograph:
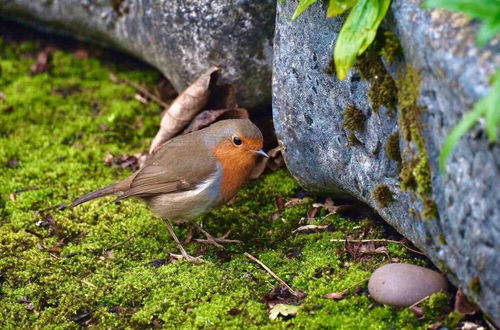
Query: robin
{"points": [[193, 173]]}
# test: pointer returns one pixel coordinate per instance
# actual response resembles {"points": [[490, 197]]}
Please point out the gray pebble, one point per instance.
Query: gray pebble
{"points": [[404, 284]]}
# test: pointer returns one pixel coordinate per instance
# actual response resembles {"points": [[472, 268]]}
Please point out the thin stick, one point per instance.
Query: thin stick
{"points": [[419, 302], [118, 244], [141, 89], [251, 257], [381, 240]]}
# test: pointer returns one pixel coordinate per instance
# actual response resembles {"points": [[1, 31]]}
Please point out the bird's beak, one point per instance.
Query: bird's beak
{"points": [[261, 152]]}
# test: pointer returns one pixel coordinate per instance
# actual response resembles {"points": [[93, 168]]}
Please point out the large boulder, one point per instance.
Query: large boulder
{"points": [[182, 38], [376, 135]]}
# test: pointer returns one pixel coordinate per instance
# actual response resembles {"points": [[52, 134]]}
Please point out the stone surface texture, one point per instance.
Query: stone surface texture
{"points": [[182, 38], [464, 240]]}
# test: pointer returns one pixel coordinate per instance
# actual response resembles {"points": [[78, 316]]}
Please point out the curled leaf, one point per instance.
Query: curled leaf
{"points": [[184, 108], [284, 310]]}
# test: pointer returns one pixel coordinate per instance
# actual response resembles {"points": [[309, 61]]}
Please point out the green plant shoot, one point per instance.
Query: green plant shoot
{"points": [[486, 10], [488, 107], [358, 32], [338, 7], [301, 7]]}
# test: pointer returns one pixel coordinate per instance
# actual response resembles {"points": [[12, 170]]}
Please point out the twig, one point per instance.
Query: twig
{"points": [[86, 283], [140, 89], [419, 302], [118, 244], [251, 257], [381, 240]]}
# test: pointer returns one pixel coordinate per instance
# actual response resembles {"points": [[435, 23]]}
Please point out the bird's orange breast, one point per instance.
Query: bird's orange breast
{"points": [[237, 164]]}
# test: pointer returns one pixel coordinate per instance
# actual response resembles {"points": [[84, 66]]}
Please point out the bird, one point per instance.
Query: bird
{"points": [[192, 174]]}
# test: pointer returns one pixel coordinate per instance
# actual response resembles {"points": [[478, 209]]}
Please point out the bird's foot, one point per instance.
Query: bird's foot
{"points": [[194, 260], [216, 241]]}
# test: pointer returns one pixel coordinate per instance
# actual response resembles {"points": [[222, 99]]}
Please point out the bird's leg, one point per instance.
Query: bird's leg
{"points": [[213, 240], [183, 254]]}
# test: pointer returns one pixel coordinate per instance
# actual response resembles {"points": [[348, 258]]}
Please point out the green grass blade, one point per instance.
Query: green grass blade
{"points": [[358, 32], [338, 7], [465, 124], [492, 104], [301, 7]]}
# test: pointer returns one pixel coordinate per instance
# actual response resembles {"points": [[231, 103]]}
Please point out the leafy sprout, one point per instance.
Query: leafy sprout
{"points": [[488, 107], [358, 31]]}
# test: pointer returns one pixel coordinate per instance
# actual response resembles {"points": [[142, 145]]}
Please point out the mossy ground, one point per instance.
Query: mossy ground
{"points": [[94, 265]]}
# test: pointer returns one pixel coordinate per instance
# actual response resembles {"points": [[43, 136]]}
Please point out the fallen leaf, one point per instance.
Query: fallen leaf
{"points": [[283, 310], [184, 108], [43, 59], [363, 250], [208, 117], [234, 311], [467, 325], [418, 311], [463, 305], [311, 228], [294, 202], [47, 221], [335, 295], [281, 295], [311, 213], [274, 162]]}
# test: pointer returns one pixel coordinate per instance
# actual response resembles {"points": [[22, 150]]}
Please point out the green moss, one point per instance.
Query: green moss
{"points": [[383, 91], [392, 147], [352, 140], [354, 119], [382, 195], [429, 209], [95, 262], [415, 171], [391, 47], [475, 284]]}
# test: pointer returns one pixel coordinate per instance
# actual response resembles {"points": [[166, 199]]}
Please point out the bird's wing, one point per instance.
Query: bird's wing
{"points": [[179, 165]]}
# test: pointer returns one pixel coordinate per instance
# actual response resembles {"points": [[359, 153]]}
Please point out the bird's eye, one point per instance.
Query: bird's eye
{"points": [[236, 140]]}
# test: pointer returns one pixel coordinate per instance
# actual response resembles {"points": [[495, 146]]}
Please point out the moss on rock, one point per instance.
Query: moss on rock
{"points": [[382, 195], [354, 119], [415, 170], [392, 147]]}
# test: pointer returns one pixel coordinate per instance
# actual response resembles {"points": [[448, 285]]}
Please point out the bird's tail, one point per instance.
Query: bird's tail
{"points": [[108, 190]]}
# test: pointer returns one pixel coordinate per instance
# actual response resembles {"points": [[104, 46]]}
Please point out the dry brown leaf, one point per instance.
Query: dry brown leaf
{"points": [[310, 228], [274, 162], [184, 108], [335, 295], [294, 201], [311, 213], [43, 59], [363, 250], [463, 305], [208, 117]]}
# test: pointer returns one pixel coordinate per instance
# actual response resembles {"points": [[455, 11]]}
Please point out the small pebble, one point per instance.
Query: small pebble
{"points": [[404, 284]]}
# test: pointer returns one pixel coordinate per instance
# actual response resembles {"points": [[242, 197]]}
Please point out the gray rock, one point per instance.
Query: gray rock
{"points": [[182, 38], [403, 284], [451, 75]]}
